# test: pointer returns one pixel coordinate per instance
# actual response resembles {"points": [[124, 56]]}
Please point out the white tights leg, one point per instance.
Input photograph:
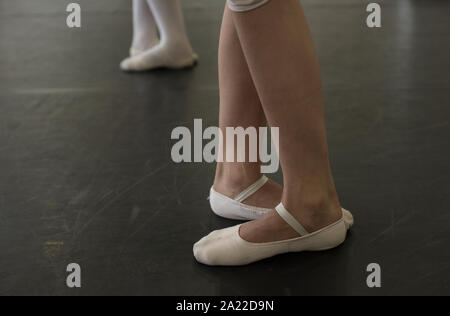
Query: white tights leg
{"points": [[174, 49], [145, 31]]}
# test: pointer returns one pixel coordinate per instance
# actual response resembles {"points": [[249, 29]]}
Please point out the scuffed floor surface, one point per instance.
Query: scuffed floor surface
{"points": [[86, 175]]}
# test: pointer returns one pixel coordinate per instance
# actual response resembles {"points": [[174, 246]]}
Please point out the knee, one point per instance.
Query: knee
{"points": [[245, 5]]}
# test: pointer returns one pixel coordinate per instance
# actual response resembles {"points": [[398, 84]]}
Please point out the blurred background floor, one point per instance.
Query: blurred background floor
{"points": [[86, 174]]}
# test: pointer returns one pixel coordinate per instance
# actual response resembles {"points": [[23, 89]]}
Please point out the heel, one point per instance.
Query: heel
{"points": [[226, 207], [229, 208]]}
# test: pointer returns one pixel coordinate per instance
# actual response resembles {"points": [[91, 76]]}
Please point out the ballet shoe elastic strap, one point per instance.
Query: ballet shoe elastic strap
{"points": [[288, 218], [251, 189]]}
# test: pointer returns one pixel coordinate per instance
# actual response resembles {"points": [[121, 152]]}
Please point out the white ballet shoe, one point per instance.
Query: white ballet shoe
{"points": [[226, 207], [134, 64], [226, 247], [156, 58]]}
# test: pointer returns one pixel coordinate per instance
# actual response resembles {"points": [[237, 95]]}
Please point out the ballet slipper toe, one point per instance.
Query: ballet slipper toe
{"points": [[135, 64], [219, 249], [127, 64], [211, 238], [215, 236]]}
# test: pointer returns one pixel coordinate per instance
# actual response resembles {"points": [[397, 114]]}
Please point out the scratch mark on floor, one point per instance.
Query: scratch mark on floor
{"points": [[118, 196]]}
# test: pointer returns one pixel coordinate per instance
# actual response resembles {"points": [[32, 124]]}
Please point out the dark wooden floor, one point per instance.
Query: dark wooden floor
{"points": [[86, 174]]}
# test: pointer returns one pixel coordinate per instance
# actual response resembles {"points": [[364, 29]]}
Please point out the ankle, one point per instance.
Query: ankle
{"points": [[175, 43], [314, 209], [144, 41], [234, 178], [139, 46]]}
